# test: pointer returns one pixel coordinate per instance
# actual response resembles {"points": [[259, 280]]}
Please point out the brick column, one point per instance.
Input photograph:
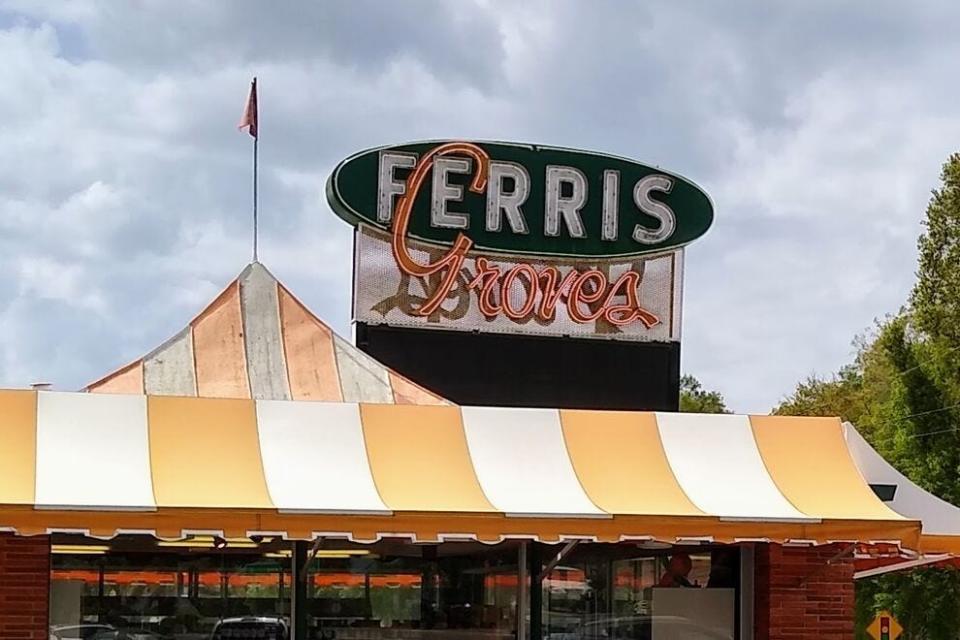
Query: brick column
{"points": [[24, 587], [804, 593]]}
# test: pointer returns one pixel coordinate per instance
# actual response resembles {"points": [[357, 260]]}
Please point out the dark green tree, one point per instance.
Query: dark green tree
{"points": [[903, 393], [695, 399], [841, 396], [936, 295]]}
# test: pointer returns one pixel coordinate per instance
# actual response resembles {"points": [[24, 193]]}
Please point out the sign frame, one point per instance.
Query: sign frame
{"points": [[343, 206], [543, 237]]}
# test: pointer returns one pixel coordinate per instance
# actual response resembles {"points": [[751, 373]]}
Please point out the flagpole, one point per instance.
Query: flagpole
{"points": [[250, 121], [256, 139]]}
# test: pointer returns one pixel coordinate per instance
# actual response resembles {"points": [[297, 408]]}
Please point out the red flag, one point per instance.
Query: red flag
{"points": [[249, 119]]}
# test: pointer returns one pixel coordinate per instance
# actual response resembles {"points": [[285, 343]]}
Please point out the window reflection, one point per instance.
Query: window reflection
{"points": [[625, 593], [141, 590], [136, 588], [403, 590]]}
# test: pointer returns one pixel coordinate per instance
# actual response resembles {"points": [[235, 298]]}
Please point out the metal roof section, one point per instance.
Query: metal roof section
{"points": [[257, 341], [941, 520]]}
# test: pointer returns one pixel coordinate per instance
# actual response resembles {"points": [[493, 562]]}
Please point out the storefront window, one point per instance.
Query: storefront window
{"points": [[403, 590], [620, 591], [143, 589], [139, 588]]}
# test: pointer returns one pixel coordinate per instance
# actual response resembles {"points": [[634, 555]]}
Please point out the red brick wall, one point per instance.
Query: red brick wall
{"points": [[804, 593], [24, 587]]}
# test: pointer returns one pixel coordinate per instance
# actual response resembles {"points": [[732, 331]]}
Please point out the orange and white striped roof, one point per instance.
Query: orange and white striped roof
{"points": [[169, 466], [256, 340]]}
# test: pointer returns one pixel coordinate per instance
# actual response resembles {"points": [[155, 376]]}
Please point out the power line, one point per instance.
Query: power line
{"points": [[892, 439], [922, 413], [911, 436], [930, 433], [926, 361], [926, 413]]}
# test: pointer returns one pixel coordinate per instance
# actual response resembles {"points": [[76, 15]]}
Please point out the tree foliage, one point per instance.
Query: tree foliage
{"points": [[936, 296], [925, 601], [903, 394], [842, 396], [695, 399]]}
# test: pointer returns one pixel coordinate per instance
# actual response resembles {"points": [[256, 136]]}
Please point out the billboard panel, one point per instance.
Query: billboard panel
{"points": [[539, 293], [511, 370]]}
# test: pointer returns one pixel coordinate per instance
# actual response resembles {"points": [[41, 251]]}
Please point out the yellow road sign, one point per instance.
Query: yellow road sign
{"points": [[884, 627]]}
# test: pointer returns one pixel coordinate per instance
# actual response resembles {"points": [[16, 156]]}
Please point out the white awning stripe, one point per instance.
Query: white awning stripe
{"points": [[314, 457], [717, 463], [93, 452], [522, 462]]}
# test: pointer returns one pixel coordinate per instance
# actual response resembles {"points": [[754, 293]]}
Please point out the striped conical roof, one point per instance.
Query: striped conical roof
{"points": [[256, 340]]}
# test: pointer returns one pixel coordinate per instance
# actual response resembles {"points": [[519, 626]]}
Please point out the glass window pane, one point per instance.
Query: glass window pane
{"points": [[402, 590], [625, 592], [139, 588]]}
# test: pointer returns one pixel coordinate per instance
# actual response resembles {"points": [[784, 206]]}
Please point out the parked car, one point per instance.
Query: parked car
{"points": [[99, 632], [260, 627], [639, 628], [84, 632]]}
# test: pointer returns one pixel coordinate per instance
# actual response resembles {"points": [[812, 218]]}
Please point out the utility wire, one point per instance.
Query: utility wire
{"points": [[926, 361], [922, 413], [892, 439], [930, 433], [926, 413], [911, 436]]}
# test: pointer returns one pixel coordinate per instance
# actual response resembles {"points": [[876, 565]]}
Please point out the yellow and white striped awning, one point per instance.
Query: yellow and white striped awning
{"points": [[105, 464]]}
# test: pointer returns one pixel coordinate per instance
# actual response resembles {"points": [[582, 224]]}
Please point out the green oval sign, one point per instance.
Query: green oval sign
{"points": [[522, 199]]}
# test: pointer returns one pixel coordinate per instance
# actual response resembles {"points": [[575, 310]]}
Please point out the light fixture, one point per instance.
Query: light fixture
{"points": [[79, 549], [329, 554], [654, 545], [209, 542], [341, 553]]}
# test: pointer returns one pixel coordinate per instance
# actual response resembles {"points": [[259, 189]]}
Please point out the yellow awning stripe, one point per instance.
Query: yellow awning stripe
{"points": [[18, 447], [419, 458], [204, 452], [619, 459], [810, 464]]}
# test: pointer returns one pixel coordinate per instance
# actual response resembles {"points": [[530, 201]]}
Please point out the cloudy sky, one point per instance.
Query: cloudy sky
{"points": [[817, 127]]}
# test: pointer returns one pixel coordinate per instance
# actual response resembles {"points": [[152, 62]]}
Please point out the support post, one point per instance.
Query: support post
{"points": [[298, 595], [536, 591], [747, 579], [101, 583], [523, 602], [557, 559], [428, 587]]}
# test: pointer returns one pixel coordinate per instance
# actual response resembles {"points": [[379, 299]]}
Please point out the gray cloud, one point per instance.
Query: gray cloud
{"points": [[818, 128]]}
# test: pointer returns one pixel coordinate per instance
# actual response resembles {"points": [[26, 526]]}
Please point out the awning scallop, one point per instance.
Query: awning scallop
{"points": [[170, 466]]}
